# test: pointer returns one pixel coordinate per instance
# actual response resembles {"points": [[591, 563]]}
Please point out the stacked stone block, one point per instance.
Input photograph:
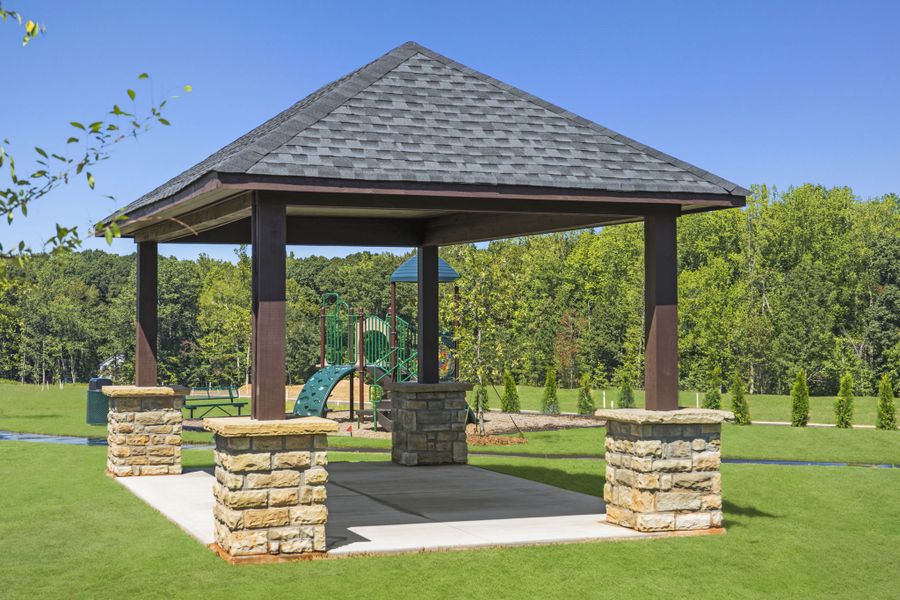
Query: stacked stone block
{"points": [[429, 423], [662, 469], [270, 489], [144, 430]]}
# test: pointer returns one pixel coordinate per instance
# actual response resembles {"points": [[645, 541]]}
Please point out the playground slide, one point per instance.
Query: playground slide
{"points": [[311, 401]]}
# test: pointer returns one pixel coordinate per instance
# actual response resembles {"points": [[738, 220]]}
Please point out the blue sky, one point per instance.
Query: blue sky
{"points": [[758, 92]]}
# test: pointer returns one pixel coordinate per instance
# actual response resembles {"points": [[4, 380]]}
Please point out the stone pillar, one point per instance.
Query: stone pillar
{"points": [[270, 487], [662, 469], [144, 430], [429, 423]]}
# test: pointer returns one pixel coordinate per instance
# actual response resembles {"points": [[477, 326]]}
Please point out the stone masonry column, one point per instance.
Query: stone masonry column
{"points": [[429, 423], [270, 488], [144, 430], [662, 469]]}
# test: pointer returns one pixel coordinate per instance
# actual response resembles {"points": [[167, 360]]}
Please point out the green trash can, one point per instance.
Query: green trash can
{"points": [[97, 402]]}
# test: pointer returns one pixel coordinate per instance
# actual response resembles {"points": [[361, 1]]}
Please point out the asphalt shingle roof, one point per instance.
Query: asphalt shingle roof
{"points": [[416, 116]]}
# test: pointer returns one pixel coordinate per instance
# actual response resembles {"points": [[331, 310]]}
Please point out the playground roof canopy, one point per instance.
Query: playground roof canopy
{"points": [[408, 272], [415, 149]]}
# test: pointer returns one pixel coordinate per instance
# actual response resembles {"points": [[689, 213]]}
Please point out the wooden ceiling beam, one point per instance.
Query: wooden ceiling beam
{"points": [[467, 228], [195, 222]]}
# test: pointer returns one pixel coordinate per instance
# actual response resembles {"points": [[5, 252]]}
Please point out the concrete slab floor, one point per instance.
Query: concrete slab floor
{"points": [[380, 507]]}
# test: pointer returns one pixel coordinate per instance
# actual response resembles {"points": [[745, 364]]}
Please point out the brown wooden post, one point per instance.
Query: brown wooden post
{"points": [[361, 351], [661, 311], [428, 314], [322, 337], [393, 330], [351, 396], [268, 226], [146, 324]]}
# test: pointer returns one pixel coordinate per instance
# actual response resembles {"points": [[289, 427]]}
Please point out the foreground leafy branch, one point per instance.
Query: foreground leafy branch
{"points": [[94, 142], [51, 170]]}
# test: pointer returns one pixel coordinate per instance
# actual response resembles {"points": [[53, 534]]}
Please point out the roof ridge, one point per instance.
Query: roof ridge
{"points": [[236, 146], [703, 174], [353, 83]]}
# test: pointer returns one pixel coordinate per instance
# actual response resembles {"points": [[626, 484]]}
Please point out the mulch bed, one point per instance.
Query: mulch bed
{"points": [[495, 440]]}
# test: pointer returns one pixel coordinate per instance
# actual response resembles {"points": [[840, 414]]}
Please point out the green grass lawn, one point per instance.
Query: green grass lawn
{"points": [[61, 411], [763, 407], [772, 443], [68, 531]]}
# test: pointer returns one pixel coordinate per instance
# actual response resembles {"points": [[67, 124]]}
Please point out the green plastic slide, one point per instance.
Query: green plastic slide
{"points": [[311, 401]]}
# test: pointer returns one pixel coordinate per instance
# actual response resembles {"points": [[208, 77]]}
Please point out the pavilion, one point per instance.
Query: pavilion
{"points": [[416, 150]]}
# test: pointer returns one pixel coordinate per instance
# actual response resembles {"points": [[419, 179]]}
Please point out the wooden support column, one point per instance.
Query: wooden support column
{"points": [[268, 318], [428, 314], [661, 311], [146, 322]]}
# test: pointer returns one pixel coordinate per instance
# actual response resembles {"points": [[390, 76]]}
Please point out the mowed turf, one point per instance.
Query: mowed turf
{"points": [[763, 407], [69, 531], [57, 411]]}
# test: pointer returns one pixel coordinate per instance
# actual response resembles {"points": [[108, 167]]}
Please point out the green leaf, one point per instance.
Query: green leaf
{"points": [[143, 76], [71, 140], [90, 180], [40, 151], [131, 94], [108, 234], [164, 121], [188, 88], [76, 124]]}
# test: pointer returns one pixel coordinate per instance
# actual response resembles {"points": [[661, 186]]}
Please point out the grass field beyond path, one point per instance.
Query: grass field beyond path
{"points": [[62, 411], [71, 532]]}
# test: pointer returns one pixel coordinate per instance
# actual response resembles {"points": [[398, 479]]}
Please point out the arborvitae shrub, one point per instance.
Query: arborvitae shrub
{"points": [[626, 394], [800, 401], [509, 403], [713, 397], [585, 399], [738, 402], [843, 406], [887, 410], [549, 401]]}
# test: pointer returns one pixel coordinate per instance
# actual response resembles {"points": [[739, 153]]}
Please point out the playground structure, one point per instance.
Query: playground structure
{"points": [[371, 351]]}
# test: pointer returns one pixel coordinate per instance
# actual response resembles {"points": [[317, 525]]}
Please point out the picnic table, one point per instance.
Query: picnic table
{"points": [[211, 399]]}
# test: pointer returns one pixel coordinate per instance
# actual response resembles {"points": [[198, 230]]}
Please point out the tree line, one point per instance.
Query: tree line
{"points": [[805, 279]]}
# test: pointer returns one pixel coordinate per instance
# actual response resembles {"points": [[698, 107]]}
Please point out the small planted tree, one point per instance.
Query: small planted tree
{"points": [[481, 401], [843, 406], [800, 401], [585, 399], [887, 410], [713, 397], [550, 401], [626, 394], [509, 403], [738, 402]]}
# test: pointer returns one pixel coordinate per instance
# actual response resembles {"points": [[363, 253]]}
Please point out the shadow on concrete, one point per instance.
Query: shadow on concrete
{"points": [[584, 483], [383, 493]]}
